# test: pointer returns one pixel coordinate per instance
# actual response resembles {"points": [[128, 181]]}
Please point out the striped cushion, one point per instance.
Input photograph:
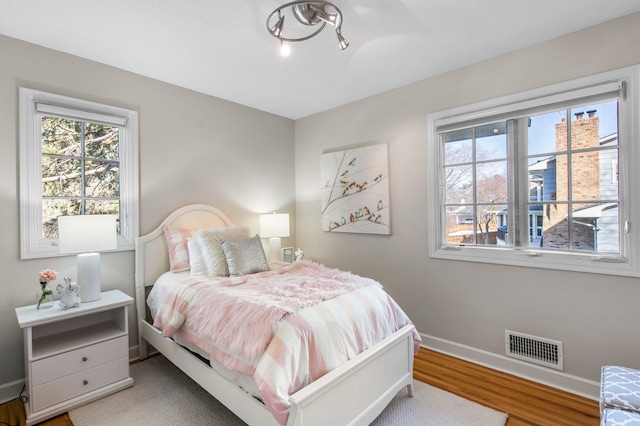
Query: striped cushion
{"points": [[177, 246]]}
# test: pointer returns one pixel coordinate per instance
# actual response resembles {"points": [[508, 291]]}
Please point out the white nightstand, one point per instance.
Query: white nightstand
{"points": [[74, 356]]}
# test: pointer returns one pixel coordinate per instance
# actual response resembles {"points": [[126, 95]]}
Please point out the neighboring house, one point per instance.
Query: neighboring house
{"points": [[595, 177]]}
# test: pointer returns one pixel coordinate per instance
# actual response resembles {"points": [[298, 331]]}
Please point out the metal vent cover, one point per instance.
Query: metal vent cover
{"points": [[537, 350]]}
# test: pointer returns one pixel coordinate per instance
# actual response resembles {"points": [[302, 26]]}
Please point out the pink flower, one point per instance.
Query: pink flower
{"points": [[48, 275]]}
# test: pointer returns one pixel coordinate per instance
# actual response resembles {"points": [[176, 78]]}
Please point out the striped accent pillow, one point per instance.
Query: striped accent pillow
{"points": [[177, 245]]}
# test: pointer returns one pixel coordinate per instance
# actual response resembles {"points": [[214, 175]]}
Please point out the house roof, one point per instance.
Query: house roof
{"points": [[594, 211], [223, 49]]}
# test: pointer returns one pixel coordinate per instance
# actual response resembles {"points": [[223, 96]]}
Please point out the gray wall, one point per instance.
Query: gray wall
{"points": [[463, 306], [193, 149]]}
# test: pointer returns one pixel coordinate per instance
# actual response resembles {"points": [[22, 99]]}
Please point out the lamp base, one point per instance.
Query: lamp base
{"points": [[89, 277], [275, 249]]}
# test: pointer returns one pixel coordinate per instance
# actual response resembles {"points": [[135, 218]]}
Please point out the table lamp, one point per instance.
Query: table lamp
{"points": [[274, 226], [87, 235]]}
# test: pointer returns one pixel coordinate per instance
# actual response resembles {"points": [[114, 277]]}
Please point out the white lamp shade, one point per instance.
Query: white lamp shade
{"points": [[87, 233], [274, 225]]}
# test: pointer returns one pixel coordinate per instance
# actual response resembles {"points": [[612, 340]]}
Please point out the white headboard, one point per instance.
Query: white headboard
{"points": [[152, 256]]}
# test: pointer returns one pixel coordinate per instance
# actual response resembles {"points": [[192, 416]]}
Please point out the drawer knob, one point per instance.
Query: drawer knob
{"points": [[85, 382], [84, 359]]}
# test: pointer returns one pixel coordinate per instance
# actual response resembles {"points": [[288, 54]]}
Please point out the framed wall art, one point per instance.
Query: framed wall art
{"points": [[355, 190]]}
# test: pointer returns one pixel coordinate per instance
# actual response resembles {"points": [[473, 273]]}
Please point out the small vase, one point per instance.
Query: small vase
{"points": [[44, 297]]}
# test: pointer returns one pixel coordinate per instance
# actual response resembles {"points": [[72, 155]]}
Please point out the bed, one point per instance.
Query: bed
{"points": [[354, 393]]}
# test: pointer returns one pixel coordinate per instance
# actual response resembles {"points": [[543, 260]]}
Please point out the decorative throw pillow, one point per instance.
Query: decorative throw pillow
{"points": [[210, 239], [196, 260], [177, 245], [245, 256]]}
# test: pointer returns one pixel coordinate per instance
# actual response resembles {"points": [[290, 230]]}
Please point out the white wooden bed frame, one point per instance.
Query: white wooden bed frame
{"points": [[353, 394]]}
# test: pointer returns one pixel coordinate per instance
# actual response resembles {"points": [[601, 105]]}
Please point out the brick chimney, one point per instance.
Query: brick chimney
{"points": [[585, 171], [585, 133]]}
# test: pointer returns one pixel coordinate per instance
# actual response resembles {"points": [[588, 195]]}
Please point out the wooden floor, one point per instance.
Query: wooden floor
{"points": [[527, 403]]}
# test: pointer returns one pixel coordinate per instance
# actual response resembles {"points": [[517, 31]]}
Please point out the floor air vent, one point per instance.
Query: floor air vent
{"points": [[537, 350]]}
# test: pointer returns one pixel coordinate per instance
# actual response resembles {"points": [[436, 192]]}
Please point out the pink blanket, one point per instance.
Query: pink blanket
{"points": [[221, 309]]}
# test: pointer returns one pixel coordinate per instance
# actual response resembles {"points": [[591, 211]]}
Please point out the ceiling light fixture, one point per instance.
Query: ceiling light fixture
{"points": [[308, 13]]}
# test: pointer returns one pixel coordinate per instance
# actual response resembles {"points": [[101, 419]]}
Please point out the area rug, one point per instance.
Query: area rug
{"points": [[164, 395]]}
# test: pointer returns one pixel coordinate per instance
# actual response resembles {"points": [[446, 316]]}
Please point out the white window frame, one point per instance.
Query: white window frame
{"points": [[625, 264], [32, 244]]}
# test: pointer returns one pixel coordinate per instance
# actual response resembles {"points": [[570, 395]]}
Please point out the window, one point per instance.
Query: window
{"points": [[543, 178], [76, 157]]}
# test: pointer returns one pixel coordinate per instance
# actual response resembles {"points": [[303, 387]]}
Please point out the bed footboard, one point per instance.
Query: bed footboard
{"points": [[358, 391], [353, 394]]}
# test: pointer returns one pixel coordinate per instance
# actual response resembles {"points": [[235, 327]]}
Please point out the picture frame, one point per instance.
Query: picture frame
{"points": [[355, 191], [287, 254]]}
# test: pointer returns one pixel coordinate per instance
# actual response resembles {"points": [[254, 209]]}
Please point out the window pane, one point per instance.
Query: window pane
{"points": [[594, 125], [460, 225], [61, 176], [542, 178], [101, 141], [609, 174], [102, 179], [547, 133], [594, 175], [459, 184], [536, 224], [491, 184], [60, 136], [51, 209], [560, 187], [62, 170], [596, 227], [555, 228], [457, 147], [489, 219], [491, 142], [572, 165]]}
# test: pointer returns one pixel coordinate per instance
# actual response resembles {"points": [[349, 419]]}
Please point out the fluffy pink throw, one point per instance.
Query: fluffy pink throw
{"points": [[240, 317]]}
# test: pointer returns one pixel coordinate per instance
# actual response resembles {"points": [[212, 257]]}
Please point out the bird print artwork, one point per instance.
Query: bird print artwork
{"points": [[355, 194]]}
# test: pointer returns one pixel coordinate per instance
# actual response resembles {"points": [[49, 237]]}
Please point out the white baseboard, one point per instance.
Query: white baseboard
{"points": [[133, 353], [11, 390], [556, 379]]}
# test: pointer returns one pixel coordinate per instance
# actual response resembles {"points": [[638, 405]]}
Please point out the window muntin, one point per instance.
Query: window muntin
{"points": [[80, 170], [76, 157], [568, 198]]}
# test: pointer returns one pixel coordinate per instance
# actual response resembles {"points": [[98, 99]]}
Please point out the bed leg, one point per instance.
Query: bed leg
{"points": [[143, 348], [410, 390]]}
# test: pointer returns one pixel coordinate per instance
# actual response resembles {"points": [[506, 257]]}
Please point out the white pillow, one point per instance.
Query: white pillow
{"points": [[209, 240], [245, 256], [196, 260]]}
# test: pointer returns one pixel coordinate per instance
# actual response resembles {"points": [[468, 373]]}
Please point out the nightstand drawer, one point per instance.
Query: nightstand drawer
{"points": [[55, 367], [60, 390]]}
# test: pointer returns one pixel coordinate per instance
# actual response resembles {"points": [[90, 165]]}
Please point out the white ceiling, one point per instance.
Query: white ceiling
{"points": [[222, 48]]}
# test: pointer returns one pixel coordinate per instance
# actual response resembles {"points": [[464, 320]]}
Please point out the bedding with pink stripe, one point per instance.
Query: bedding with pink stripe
{"points": [[285, 327]]}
